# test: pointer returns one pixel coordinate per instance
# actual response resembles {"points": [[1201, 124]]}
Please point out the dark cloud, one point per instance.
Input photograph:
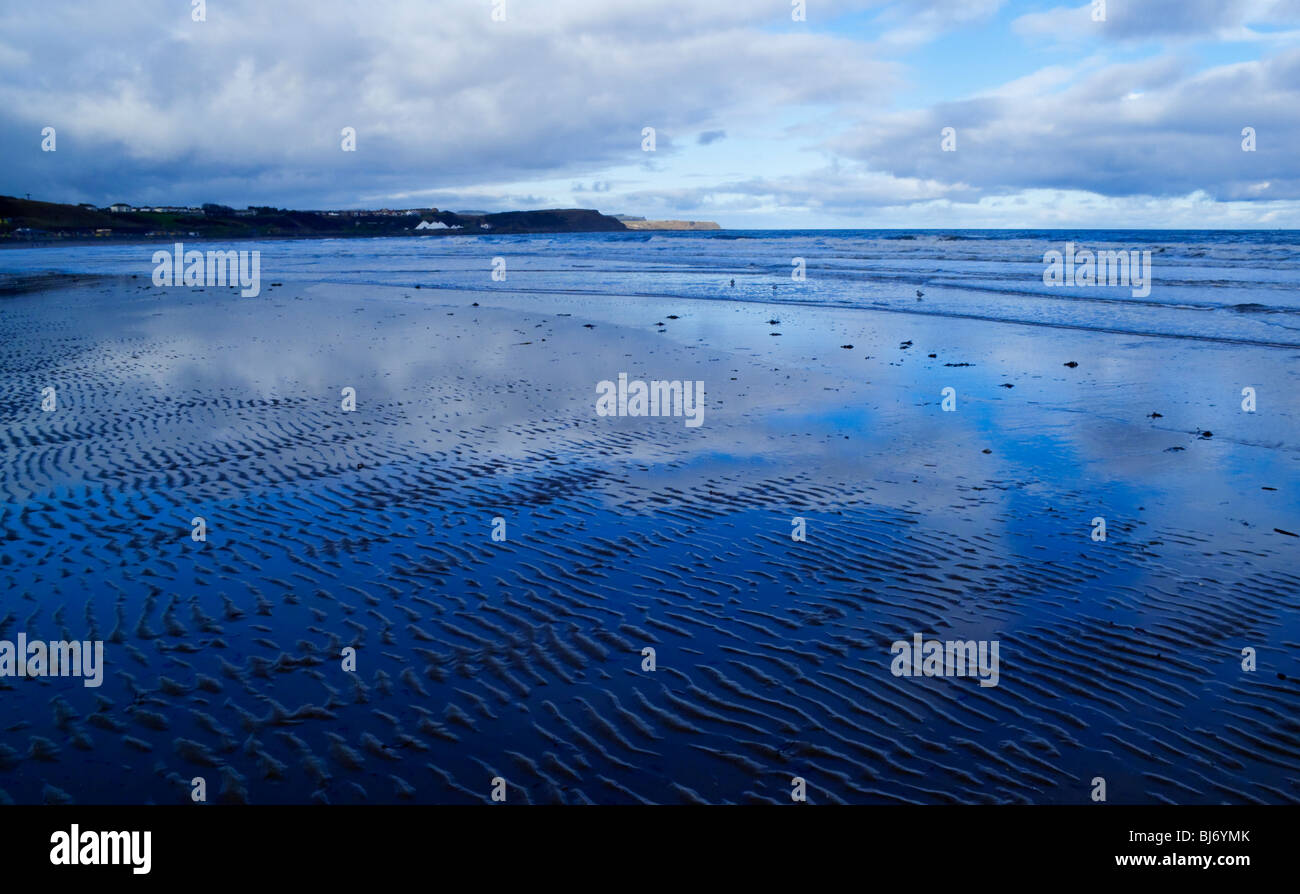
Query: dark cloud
{"points": [[248, 106]]}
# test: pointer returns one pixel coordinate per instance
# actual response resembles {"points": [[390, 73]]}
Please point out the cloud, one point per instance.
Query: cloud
{"points": [[1144, 128], [834, 189], [1153, 19], [547, 108], [912, 24], [249, 104]]}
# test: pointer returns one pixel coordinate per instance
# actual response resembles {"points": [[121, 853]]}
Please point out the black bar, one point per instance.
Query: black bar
{"points": [[640, 846]]}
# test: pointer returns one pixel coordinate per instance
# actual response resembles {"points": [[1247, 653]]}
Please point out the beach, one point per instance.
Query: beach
{"points": [[499, 556]]}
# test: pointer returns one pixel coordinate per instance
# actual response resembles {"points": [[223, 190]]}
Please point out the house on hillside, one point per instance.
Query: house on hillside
{"points": [[120, 208]]}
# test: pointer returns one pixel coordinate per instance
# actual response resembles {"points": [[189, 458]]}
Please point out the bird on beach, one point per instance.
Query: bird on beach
{"points": [[919, 294]]}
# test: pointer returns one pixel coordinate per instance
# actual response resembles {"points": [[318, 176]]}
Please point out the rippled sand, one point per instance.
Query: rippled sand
{"points": [[523, 659]]}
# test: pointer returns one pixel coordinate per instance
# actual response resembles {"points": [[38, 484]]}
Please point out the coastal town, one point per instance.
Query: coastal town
{"points": [[26, 220]]}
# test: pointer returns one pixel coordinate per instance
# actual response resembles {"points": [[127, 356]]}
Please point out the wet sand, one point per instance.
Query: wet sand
{"points": [[522, 659]]}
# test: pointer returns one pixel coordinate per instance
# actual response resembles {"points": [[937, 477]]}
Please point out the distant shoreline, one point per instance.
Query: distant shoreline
{"points": [[29, 221], [14, 243]]}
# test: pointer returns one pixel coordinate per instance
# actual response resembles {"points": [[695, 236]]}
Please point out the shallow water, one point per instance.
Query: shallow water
{"points": [[1239, 286]]}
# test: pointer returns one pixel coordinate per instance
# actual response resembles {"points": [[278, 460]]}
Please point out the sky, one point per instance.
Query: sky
{"points": [[1127, 113]]}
